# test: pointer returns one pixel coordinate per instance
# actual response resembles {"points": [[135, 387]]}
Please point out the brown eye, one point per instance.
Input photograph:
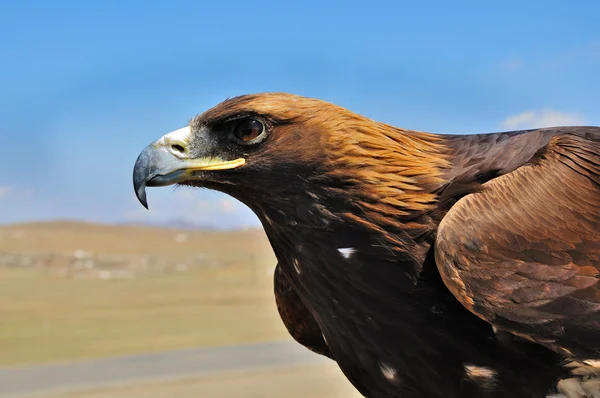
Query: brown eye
{"points": [[247, 130]]}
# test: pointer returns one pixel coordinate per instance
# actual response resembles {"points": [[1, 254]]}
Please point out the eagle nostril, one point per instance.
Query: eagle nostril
{"points": [[178, 148]]}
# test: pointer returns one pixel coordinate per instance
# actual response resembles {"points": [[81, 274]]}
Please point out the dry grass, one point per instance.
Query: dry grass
{"points": [[229, 247], [48, 319]]}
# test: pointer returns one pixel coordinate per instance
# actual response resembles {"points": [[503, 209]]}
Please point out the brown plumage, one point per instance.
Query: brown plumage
{"points": [[425, 265], [524, 253]]}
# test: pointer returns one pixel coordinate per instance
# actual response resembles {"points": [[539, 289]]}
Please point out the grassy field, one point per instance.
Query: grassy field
{"points": [[243, 248], [44, 318]]}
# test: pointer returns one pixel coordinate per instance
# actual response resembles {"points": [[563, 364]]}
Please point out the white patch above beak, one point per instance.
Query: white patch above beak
{"points": [[178, 138], [182, 134]]}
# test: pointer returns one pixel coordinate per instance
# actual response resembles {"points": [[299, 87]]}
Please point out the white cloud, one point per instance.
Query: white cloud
{"points": [[542, 118], [5, 191]]}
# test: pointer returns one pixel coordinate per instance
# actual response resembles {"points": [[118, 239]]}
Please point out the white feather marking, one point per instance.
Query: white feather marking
{"points": [[388, 372], [481, 375], [347, 252], [479, 371], [297, 265], [579, 388], [588, 367], [595, 363]]}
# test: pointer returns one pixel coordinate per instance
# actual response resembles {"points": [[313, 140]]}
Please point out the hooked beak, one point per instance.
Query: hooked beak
{"points": [[167, 162]]}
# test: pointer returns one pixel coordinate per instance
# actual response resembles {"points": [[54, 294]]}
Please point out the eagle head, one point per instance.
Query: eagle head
{"points": [[302, 162]]}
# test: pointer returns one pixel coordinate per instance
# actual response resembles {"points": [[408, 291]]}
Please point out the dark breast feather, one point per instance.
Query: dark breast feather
{"points": [[523, 253]]}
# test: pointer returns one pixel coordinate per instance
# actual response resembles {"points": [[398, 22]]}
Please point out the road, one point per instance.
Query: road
{"points": [[166, 366]]}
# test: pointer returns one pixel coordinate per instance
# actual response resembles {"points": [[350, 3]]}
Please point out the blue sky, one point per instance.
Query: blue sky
{"points": [[84, 86]]}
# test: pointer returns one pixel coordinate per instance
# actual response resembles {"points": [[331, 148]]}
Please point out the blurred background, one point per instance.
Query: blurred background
{"points": [[102, 298]]}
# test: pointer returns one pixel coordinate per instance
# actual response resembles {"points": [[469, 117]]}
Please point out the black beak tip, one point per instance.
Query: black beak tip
{"points": [[141, 195], [140, 177]]}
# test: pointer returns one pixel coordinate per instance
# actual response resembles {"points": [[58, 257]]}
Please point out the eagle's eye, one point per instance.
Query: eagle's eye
{"points": [[247, 131]]}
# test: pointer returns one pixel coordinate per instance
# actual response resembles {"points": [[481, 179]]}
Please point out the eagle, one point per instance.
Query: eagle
{"points": [[423, 264]]}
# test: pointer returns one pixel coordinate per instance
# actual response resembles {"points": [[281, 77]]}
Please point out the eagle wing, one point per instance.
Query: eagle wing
{"points": [[296, 317], [524, 252]]}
